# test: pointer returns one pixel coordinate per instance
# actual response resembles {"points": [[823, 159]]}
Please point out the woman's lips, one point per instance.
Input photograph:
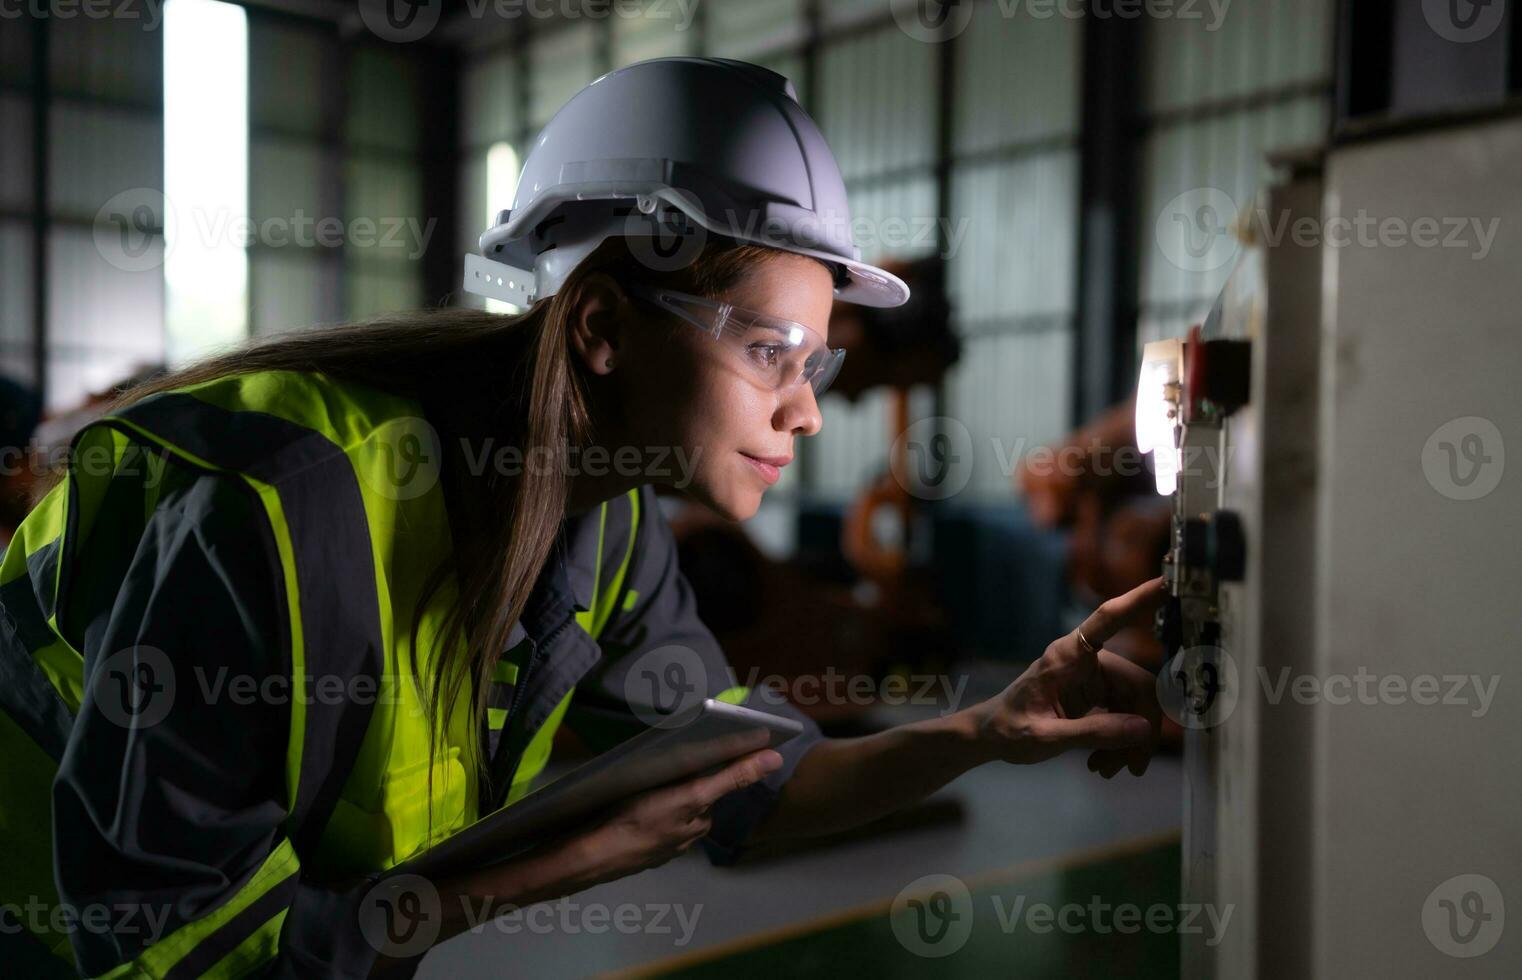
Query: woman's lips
{"points": [[770, 467]]}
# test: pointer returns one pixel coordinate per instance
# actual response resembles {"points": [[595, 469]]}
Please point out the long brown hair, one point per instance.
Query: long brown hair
{"points": [[509, 377]]}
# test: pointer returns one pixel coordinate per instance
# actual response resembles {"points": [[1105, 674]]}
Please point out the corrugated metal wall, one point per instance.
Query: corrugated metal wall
{"points": [[105, 122], [1216, 102], [661, 33], [382, 182], [490, 112], [753, 29], [1015, 191], [293, 160], [16, 314]]}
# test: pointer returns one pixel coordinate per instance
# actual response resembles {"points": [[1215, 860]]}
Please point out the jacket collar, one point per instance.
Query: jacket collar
{"points": [[566, 583], [581, 533]]}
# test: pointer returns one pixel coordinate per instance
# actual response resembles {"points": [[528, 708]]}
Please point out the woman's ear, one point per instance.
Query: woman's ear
{"points": [[598, 322]]}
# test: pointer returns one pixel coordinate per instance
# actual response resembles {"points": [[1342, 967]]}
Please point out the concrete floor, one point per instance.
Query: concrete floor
{"points": [[1012, 816]]}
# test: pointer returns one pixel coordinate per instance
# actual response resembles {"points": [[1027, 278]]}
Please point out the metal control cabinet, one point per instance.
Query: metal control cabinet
{"points": [[1347, 564]]}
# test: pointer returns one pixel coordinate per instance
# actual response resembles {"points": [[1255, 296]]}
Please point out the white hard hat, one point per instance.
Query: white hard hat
{"points": [[670, 152]]}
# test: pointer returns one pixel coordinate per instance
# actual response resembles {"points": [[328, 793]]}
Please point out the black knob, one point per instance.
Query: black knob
{"points": [[1193, 544], [1227, 546]]}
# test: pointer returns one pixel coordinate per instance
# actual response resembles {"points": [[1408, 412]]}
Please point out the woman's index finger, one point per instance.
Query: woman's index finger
{"points": [[1123, 610]]}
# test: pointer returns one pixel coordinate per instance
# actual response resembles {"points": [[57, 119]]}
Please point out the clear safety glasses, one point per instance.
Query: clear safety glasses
{"points": [[781, 352]]}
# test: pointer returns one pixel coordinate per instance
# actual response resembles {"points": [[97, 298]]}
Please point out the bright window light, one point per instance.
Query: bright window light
{"points": [[501, 182], [205, 176]]}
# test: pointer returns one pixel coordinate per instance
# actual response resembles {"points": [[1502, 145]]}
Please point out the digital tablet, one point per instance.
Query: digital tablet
{"points": [[699, 740]]}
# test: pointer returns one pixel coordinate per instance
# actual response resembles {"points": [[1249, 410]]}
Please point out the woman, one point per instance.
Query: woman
{"points": [[303, 609]]}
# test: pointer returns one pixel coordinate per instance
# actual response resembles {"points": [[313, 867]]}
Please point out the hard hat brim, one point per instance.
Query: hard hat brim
{"points": [[868, 285]]}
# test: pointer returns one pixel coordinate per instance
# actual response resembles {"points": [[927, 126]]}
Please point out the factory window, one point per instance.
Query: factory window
{"points": [[205, 176]]}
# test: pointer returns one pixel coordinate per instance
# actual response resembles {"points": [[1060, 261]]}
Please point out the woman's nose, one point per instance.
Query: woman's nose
{"points": [[798, 412]]}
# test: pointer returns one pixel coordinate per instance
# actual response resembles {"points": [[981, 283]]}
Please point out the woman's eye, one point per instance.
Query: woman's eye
{"points": [[766, 354]]}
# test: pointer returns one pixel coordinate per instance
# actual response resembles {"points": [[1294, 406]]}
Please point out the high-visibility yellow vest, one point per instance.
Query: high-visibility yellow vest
{"points": [[348, 477]]}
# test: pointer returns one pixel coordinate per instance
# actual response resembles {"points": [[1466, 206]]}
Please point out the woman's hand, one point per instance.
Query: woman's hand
{"points": [[1078, 698], [652, 828], [645, 831]]}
